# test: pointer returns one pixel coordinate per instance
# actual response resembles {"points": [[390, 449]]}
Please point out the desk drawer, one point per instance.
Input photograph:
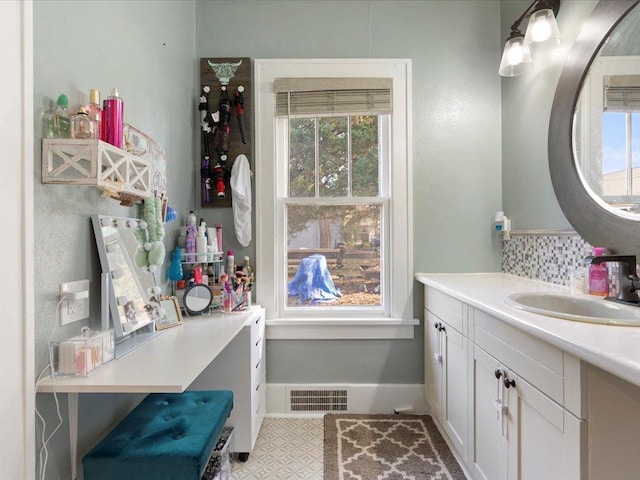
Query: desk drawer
{"points": [[534, 360], [257, 372], [257, 327], [257, 350], [259, 407], [258, 394]]}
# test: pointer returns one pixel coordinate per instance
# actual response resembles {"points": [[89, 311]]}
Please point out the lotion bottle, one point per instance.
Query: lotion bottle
{"points": [[190, 242], [598, 276], [201, 245], [230, 263]]}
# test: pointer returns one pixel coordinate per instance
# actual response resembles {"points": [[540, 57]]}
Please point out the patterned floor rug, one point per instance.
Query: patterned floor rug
{"points": [[386, 447]]}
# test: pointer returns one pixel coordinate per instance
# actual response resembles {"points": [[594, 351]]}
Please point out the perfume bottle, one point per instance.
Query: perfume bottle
{"points": [[112, 117], [94, 110], [48, 122], [61, 120], [81, 125]]}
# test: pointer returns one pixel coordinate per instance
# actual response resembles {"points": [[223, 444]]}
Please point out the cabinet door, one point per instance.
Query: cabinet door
{"points": [[489, 426], [432, 364], [455, 387], [544, 439]]}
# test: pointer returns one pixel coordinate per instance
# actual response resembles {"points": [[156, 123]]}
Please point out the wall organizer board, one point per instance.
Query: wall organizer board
{"points": [[225, 125]]}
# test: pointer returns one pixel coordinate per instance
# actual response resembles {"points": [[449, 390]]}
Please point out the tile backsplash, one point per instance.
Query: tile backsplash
{"points": [[547, 257], [550, 257]]}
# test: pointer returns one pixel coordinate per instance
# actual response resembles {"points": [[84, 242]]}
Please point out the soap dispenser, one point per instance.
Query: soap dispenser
{"points": [[502, 224], [598, 276]]}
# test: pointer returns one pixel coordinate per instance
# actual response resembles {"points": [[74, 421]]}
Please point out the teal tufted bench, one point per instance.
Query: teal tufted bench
{"points": [[168, 436]]}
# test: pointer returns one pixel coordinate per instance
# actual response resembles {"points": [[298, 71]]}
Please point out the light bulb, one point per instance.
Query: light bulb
{"points": [[514, 55], [516, 58], [540, 30]]}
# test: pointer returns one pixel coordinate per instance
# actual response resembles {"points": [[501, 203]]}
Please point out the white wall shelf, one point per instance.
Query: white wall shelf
{"points": [[93, 162]]}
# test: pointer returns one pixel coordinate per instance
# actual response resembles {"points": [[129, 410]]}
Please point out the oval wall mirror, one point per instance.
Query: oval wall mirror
{"points": [[197, 299], [595, 170]]}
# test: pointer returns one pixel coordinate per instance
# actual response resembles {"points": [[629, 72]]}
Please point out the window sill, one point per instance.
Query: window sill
{"points": [[340, 328]]}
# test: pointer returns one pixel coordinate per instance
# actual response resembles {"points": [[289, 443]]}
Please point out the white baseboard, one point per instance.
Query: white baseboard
{"points": [[362, 398]]}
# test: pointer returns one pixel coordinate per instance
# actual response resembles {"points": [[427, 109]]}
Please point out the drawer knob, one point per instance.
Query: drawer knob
{"points": [[509, 383], [497, 373]]}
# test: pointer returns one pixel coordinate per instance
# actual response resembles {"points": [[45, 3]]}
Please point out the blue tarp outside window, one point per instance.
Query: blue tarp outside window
{"points": [[313, 283]]}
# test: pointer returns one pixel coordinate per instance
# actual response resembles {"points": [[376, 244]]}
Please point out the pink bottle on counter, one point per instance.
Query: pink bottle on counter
{"points": [[112, 119], [598, 276]]}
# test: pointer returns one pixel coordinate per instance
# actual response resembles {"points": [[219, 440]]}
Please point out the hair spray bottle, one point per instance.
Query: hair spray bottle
{"points": [[112, 117]]}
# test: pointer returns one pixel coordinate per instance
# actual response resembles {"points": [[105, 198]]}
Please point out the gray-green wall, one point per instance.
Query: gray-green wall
{"points": [[527, 193], [454, 48], [479, 142], [146, 50]]}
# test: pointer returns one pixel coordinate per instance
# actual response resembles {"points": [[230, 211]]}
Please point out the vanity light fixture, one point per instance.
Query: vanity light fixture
{"points": [[542, 34]]}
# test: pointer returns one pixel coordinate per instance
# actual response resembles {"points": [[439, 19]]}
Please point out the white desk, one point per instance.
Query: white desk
{"points": [[168, 363]]}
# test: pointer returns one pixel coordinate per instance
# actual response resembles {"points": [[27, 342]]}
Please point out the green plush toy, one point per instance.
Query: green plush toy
{"points": [[155, 227], [150, 236]]}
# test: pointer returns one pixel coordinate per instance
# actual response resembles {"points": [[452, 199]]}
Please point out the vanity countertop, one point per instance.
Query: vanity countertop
{"points": [[615, 349]]}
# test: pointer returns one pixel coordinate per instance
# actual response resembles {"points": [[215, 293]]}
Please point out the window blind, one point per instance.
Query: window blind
{"points": [[622, 93], [332, 96]]}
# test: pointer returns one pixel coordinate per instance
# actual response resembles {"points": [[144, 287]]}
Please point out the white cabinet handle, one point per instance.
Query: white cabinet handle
{"points": [[438, 355], [498, 403]]}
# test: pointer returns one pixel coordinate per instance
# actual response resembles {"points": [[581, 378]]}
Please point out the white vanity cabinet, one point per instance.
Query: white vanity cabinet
{"points": [[572, 409], [523, 389], [240, 367], [489, 457], [520, 433], [446, 365], [509, 404]]}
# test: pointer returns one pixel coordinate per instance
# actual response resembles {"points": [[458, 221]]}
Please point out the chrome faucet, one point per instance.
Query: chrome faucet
{"points": [[628, 278]]}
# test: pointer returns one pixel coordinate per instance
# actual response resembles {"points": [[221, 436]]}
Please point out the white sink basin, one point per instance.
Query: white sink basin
{"points": [[576, 308]]}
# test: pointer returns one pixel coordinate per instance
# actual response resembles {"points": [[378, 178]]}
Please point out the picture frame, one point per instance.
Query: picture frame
{"points": [[172, 316]]}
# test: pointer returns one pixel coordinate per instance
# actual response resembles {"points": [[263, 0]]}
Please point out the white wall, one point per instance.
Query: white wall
{"points": [[16, 355]]}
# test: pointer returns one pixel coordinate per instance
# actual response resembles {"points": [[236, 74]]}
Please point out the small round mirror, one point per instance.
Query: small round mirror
{"points": [[197, 299]]}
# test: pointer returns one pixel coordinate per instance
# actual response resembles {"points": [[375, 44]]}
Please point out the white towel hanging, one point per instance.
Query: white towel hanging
{"points": [[241, 199]]}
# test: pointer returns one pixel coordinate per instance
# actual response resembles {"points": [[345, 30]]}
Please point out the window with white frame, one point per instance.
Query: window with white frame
{"points": [[620, 134], [607, 132], [333, 195]]}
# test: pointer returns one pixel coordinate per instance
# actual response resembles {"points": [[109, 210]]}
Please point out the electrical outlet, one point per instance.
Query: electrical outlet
{"points": [[76, 304]]}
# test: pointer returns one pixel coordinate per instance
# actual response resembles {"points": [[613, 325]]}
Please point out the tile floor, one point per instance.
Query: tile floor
{"points": [[286, 449]]}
